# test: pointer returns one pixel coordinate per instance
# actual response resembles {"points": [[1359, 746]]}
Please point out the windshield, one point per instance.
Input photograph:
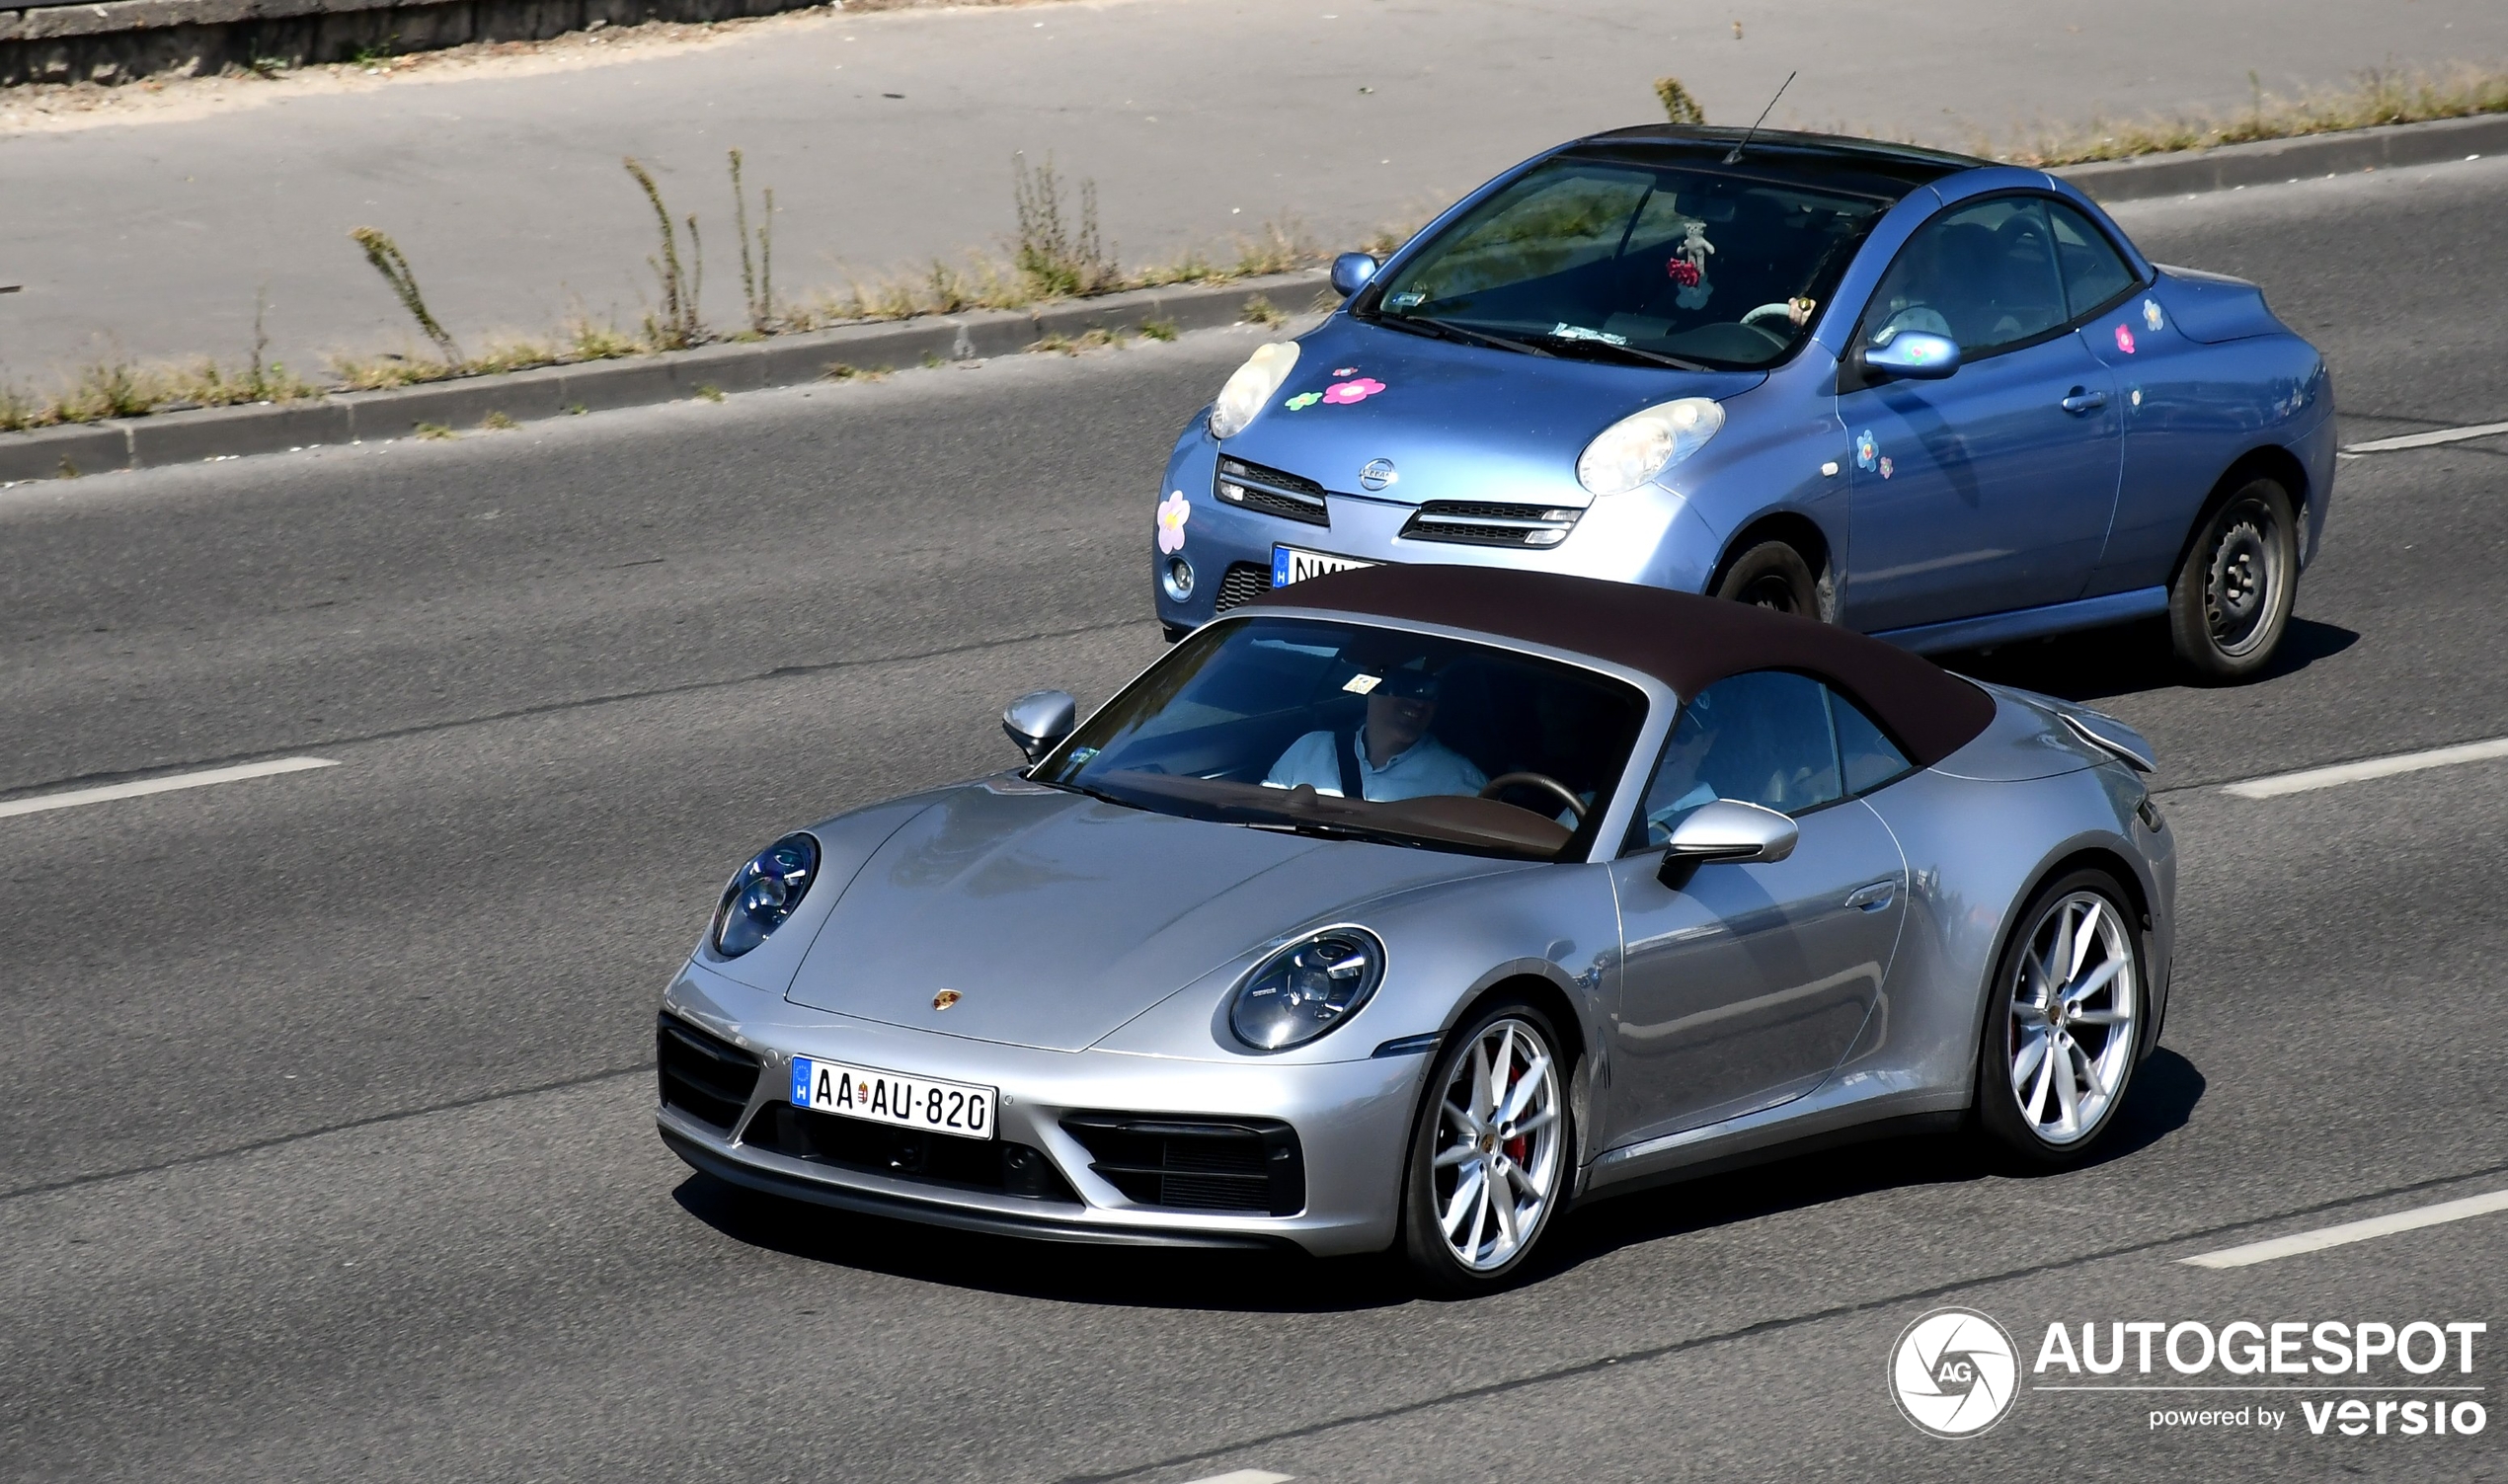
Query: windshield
{"points": [[1366, 732], [1615, 260]]}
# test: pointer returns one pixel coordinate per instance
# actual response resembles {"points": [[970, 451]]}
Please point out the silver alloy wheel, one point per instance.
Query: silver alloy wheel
{"points": [[2075, 1005], [1498, 1145]]}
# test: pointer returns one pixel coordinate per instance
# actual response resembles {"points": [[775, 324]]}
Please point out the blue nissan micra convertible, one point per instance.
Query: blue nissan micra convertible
{"points": [[1929, 397]]}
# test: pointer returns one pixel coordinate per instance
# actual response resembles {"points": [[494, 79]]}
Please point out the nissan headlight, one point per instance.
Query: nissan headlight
{"points": [[1644, 444], [763, 893], [1251, 387], [1307, 988]]}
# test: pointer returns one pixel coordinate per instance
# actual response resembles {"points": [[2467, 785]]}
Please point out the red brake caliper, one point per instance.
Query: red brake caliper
{"points": [[1515, 1145]]}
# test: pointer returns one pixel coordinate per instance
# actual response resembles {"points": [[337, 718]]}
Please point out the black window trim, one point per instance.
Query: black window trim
{"points": [[1851, 377]]}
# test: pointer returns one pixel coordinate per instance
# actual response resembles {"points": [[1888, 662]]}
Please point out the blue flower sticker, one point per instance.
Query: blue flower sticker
{"points": [[1867, 452]]}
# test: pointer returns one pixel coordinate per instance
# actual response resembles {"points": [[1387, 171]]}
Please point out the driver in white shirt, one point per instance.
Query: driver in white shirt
{"points": [[1392, 756]]}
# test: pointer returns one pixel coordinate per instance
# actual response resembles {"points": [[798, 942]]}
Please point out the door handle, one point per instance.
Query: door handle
{"points": [[1873, 897], [2083, 400]]}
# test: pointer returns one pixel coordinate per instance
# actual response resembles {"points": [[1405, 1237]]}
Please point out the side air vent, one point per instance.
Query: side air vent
{"points": [[1251, 1165], [704, 1076]]}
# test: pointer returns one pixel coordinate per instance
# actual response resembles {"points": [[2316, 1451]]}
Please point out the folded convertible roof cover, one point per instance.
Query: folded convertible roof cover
{"points": [[1686, 642]]}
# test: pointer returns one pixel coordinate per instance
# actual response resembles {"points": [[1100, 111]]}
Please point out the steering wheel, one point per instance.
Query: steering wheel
{"points": [[1567, 796], [1777, 311]]}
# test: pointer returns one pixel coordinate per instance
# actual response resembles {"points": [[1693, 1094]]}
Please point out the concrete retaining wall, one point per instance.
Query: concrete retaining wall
{"points": [[123, 40]]}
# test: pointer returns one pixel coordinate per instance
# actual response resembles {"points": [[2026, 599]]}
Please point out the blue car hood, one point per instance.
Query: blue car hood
{"points": [[1459, 421], [1058, 917]]}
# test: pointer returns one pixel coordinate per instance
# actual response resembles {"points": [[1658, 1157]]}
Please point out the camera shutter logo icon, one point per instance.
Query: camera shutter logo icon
{"points": [[1954, 1372]]}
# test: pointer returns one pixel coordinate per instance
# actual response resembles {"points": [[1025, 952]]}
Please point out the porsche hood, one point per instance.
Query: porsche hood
{"points": [[1058, 917]]}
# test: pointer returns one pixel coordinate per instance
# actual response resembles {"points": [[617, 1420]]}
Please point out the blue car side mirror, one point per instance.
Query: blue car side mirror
{"points": [[1916, 355], [1351, 272]]}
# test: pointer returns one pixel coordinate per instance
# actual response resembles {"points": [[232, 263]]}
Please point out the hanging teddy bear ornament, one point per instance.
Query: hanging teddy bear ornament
{"points": [[1689, 267]]}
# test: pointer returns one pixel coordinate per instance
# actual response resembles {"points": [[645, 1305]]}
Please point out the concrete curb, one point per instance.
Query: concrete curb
{"points": [[792, 360], [212, 433], [2270, 162]]}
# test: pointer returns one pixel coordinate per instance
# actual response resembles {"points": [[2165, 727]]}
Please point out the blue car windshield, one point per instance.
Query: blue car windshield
{"points": [[1348, 730], [1609, 259]]}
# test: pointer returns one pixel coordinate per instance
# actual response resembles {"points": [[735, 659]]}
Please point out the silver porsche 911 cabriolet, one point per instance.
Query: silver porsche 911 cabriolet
{"points": [[1411, 905]]}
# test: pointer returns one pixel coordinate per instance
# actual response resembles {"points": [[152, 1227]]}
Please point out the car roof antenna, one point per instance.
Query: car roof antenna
{"points": [[1735, 157]]}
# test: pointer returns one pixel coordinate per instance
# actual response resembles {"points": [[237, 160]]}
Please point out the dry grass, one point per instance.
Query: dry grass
{"points": [[121, 389], [2373, 97]]}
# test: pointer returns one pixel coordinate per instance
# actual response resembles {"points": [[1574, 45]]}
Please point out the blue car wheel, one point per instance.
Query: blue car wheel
{"points": [[2230, 599]]}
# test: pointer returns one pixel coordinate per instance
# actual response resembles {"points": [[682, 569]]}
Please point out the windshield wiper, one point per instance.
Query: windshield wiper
{"points": [[1333, 829], [1618, 349], [1449, 330], [1099, 794]]}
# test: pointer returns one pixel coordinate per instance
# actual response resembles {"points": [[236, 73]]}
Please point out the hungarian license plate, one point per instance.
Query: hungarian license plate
{"points": [[1295, 563], [902, 1102]]}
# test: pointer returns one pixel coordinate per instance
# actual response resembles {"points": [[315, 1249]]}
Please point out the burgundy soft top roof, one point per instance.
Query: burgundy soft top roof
{"points": [[1685, 641]]}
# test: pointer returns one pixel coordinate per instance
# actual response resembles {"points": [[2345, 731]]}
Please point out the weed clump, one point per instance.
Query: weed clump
{"points": [[1679, 105], [1060, 260], [388, 259]]}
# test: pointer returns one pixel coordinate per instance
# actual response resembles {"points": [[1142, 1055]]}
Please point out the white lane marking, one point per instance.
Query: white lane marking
{"points": [[2375, 767], [2351, 1231], [2426, 439], [76, 797], [1247, 1476]]}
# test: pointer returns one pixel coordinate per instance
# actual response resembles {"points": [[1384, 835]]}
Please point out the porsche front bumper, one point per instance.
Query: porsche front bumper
{"points": [[1346, 1123]]}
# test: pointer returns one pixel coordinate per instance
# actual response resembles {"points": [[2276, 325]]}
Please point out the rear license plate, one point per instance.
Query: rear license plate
{"points": [[1293, 564], [902, 1102]]}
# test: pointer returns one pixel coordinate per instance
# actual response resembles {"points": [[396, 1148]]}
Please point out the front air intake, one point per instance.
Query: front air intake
{"points": [[1250, 1165], [704, 1076]]}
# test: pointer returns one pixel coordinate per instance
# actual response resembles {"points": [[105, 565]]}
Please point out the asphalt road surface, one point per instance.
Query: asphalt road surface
{"points": [[327, 1151], [888, 139]]}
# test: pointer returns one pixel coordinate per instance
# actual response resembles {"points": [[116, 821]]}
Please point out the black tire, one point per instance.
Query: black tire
{"points": [[1427, 1189], [2037, 1136], [1772, 574], [2230, 601]]}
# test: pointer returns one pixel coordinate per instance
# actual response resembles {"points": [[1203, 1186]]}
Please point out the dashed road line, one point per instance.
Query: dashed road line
{"points": [[41, 803], [2278, 783], [2350, 1232], [1247, 1476], [2427, 440]]}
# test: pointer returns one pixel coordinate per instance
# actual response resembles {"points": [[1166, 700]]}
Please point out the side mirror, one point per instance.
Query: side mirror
{"points": [[1040, 719], [1726, 830], [1351, 272], [1914, 354]]}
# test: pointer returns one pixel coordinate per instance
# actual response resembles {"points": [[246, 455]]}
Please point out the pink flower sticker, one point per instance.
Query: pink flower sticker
{"points": [[1173, 512], [2125, 339], [1343, 393], [1885, 466]]}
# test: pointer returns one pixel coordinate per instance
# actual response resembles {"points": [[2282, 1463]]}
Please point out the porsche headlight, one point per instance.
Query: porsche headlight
{"points": [[763, 893], [1643, 444], [1307, 988], [1251, 387]]}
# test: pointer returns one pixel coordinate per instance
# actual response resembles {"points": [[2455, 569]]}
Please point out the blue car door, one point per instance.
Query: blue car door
{"points": [[1992, 489]]}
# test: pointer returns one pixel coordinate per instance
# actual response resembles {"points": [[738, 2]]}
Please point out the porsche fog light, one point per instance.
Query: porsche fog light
{"points": [[1251, 387], [763, 893], [1645, 443], [1307, 988]]}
